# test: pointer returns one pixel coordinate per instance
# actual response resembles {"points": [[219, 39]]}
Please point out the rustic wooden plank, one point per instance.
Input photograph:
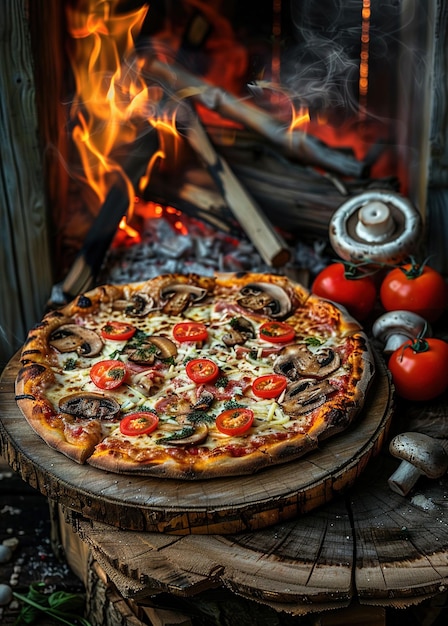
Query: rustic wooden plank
{"points": [[218, 506], [373, 545], [25, 265], [53, 92], [282, 566]]}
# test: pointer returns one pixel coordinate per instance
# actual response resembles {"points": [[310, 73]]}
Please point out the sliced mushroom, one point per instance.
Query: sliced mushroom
{"points": [[199, 435], [180, 296], [139, 305], [89, 405], [143, 354], [74, 338], [306, 395], [165, 346], [204, 402], [154, 347], [241, 329], [265, 298], [296, 361]]}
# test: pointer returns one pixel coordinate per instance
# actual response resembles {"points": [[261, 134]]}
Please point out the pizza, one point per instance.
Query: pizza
{"points": [[193, 377]]}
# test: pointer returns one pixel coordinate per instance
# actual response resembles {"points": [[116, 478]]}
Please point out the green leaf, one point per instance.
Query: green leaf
{"points": [[184, 432], [233, 404], [35, 603], [68, 602]]}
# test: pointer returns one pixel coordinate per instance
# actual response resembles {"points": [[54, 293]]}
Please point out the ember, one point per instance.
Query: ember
{"points": [[186, 245]]}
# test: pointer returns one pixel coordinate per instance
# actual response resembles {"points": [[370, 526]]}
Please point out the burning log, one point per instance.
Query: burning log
{"points": [[295, 144], [255, 224], [96, 244]]}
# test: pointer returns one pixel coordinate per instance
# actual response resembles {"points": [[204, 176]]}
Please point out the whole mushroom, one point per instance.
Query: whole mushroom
{"points": [[396, 327], [377, 226], [420, 455]]}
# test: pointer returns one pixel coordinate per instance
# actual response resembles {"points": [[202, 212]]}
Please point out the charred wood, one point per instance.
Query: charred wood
{"points": [[296, 145]]}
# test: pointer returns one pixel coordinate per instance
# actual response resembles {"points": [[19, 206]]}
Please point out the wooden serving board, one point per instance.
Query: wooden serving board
{"points": [[217, 506]]}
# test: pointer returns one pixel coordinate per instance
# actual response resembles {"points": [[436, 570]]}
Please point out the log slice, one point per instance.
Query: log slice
{"points": [[217, 506]]}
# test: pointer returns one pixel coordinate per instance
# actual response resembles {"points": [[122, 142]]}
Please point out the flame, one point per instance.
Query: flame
{"points": [[300, 118], [112, 103]]}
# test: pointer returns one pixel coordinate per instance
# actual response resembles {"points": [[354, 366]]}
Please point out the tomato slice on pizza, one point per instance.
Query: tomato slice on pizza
{"points": [[108, 374], [139, 423], [269, 385], [202, 370], [118, 331], [190, 331], [235, 422], [277, 332]]}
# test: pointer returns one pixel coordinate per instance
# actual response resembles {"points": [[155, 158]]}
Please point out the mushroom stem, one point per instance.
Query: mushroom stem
{"points": [[404, 478], [375, 222], [420, 455]]}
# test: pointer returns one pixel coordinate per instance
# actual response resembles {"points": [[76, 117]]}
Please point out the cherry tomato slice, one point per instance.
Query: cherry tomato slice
{"points": [[235, 421], [269, 385], [277, 332], [190, 331], [117, 331], [108, 374], [202, 370], [140, 423]]}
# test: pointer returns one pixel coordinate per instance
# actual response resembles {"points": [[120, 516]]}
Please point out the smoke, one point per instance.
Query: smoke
{"points": [[322, 65]]}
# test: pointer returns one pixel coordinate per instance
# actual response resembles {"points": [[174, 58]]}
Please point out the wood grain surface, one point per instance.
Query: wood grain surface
{"points": [[216, 506], [369, 546]]}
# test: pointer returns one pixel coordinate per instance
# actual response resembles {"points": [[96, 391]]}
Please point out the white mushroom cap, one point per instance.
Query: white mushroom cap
{"points": [[376, 225], [395, 327], [420, 455]]}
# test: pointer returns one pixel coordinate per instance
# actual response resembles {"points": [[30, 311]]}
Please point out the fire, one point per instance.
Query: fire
{"points": [[113, 105], [300, 118]]}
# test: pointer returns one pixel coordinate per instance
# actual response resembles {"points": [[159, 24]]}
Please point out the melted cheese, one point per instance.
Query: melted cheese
{"points": [[238, 365]]}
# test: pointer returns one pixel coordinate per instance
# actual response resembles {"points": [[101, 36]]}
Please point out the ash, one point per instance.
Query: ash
{"points": [[188, 245]]}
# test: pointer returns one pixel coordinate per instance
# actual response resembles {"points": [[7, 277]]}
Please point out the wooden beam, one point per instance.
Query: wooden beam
{"points": [[25, 265]]}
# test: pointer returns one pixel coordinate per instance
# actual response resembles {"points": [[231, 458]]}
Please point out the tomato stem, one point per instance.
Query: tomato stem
{"points": [[352, 270], [416, 268], [419, 345]]}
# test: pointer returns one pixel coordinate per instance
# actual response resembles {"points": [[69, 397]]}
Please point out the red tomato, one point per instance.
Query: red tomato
{"points": [[235, 421], [190, 331], [202, 370], [277, 332], [419, 369], [118, 331], [416, 288], [108, 374], [356, 293], [269, 386], [140, 423]]}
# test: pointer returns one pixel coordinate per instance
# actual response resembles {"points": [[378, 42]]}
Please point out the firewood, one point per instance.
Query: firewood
{"points": [[296, 144], [267, 241]]}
